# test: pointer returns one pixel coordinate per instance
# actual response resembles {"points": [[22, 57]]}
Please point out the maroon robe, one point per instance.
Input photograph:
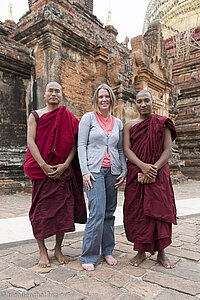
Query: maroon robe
{"points": [[149, 209], [56, 204]]}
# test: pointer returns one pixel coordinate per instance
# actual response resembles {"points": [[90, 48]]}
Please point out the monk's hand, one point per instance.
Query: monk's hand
{"points": [[147, 180], [57, 171], [87, 181], [149, 170], [46, 169], [120, 180]]}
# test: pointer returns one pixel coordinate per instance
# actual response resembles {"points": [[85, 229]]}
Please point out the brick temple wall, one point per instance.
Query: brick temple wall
{"points": [[15, 77], [186, 79], [63, 41], [71, 46]]}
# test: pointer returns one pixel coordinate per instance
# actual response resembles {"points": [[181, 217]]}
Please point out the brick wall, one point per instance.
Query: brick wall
{"points": [[63, 41], [186, 79]]}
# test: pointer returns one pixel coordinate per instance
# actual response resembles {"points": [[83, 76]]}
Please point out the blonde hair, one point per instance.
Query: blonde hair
{"points": [[111, 94]]}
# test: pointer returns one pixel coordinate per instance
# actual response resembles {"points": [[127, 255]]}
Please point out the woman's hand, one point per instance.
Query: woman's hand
{"points": [[120, 179], [87, 181]]}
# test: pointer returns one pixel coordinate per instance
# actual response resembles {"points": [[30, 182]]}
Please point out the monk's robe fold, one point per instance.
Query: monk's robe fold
{"points": [[149, 209], [56, 204]]}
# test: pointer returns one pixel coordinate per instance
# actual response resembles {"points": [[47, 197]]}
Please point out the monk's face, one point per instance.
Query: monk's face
{"points": [[143, 104], [53, 94]]}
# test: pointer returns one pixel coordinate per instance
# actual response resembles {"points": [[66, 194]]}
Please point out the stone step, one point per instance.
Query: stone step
{"points": [[8, 186], [192, 173], [11, 163]]}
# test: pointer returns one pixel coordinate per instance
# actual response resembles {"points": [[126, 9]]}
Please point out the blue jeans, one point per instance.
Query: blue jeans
{"points": [[99, 230]]}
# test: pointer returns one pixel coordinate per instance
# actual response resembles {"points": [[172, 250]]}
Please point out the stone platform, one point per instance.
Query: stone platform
{"points": [[21, 278]]}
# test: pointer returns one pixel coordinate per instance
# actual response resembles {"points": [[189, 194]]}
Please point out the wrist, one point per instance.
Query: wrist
{"points": [[65, 165], [42, 165], [140, 165]]}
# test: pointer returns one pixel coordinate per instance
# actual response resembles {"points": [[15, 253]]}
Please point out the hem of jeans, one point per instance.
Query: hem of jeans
{"points": [[103, 255], [88, 263]]}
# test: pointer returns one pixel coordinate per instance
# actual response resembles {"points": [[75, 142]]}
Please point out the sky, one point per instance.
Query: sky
{"points": [[127, 15]]}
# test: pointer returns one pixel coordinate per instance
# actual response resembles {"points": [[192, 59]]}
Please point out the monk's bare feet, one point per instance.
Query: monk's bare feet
{"points": [[44, 260], [110, 260], [60, 257], [138, 259], [164, 260], [88, 267]]}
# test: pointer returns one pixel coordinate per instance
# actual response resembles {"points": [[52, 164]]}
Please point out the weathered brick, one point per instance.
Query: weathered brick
{"points": [[134, 271], [119, 280], [75, 265], [3, 265], [72, 252], [91, 288], [177, 243], [142, 288], [4, 252], [171, 294], [183, 253], [24, 261], [77, 245], [193, 270], [129, 296], [173, 282], [124, 247], [53, 290], [191, 247], [187, 239], [61, 274]]}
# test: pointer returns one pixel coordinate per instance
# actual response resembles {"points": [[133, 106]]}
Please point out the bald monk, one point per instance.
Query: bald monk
{"points": [[149, 207], [51, 163]]}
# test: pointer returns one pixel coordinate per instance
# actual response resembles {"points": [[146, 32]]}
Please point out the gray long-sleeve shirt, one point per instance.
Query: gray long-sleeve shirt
{"points": [[93, 142]]}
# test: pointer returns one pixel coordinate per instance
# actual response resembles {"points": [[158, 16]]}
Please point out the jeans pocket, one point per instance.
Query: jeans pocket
{"points": [[96, 175]]}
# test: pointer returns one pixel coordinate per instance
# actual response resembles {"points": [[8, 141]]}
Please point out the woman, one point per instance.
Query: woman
{"points": [[103, 166]]}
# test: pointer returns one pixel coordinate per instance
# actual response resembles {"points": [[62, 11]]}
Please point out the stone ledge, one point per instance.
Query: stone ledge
{"points": [[9, 186]]}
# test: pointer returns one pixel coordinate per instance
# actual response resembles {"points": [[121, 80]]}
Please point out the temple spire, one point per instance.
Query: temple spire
{"points": [[109, 20], [109, 25], [10, 17]]}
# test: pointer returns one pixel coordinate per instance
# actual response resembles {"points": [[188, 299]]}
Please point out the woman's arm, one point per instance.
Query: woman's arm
{"points": [[121, 151], [83, 136]]}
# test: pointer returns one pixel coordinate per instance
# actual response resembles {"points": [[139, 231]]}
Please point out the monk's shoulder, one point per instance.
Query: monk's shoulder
{"points": [[131, 123], [41, 111]]}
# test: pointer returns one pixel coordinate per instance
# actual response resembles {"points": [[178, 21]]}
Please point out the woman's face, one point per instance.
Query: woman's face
{"points": [[103, 100]]}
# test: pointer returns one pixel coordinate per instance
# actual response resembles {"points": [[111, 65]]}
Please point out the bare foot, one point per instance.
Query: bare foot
{"points": [[138, 259], [110, 260], [60, 257], [44, 260], [88, 267], [164, 260]]}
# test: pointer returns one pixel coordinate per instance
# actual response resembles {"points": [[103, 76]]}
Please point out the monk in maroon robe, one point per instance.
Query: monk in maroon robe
{"points": [[51, 162], [149, 207]]}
